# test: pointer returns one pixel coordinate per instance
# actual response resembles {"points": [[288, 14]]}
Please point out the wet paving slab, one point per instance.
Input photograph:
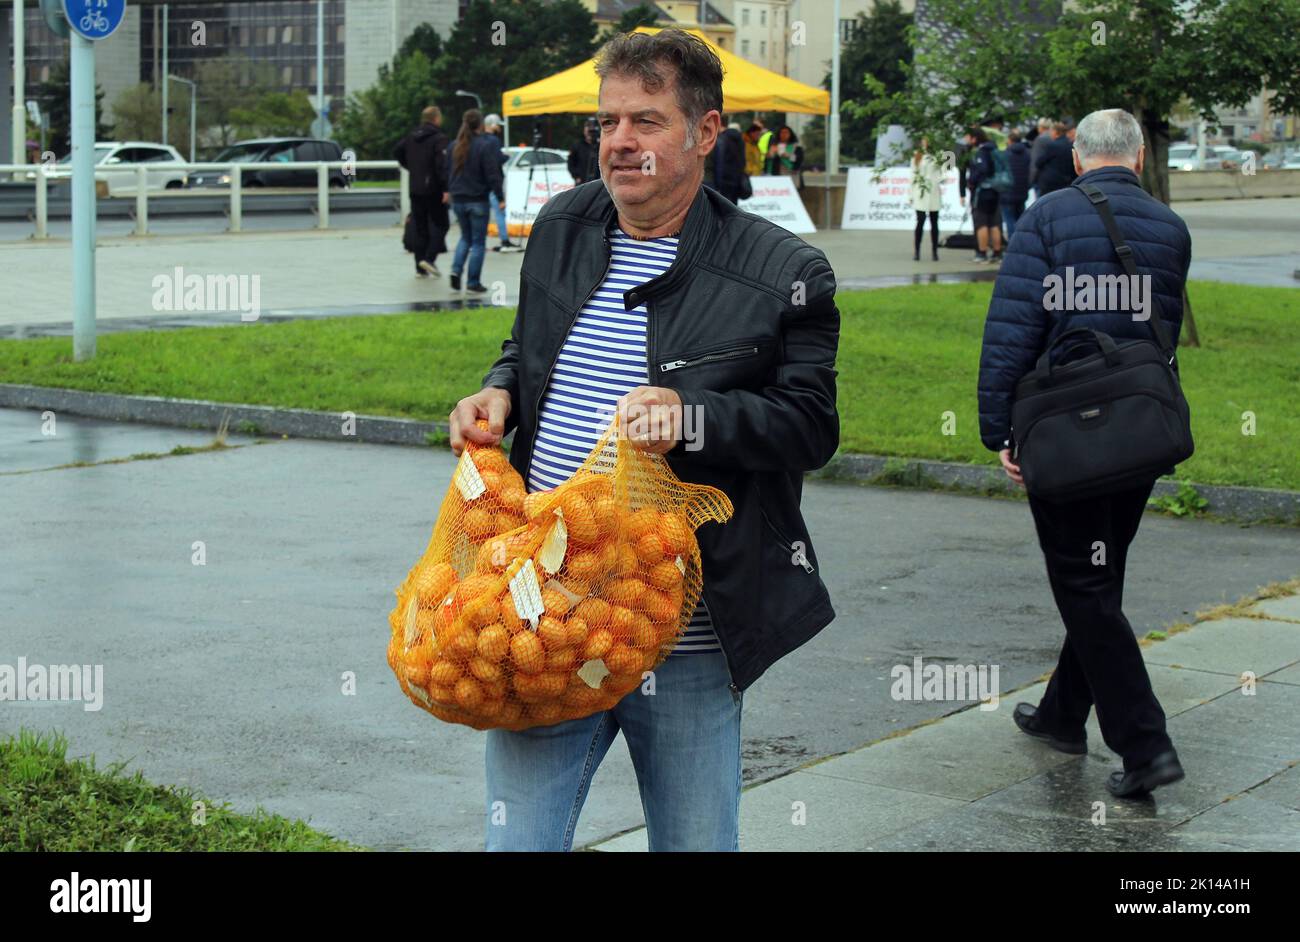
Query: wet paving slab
{"points": [[32, 440]]}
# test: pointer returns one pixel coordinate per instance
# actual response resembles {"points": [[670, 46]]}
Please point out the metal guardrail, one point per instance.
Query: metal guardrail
{"points": [[235, 200]]}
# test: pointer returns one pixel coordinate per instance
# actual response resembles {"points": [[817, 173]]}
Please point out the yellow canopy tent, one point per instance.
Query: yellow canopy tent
{"points": [[745, 87]]}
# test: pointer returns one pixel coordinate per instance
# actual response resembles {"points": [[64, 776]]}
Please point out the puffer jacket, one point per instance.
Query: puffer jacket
{"points": [[1063, 229]]}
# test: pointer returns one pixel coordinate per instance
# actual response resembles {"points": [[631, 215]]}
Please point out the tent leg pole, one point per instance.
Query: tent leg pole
{"points": [[826, 177]]}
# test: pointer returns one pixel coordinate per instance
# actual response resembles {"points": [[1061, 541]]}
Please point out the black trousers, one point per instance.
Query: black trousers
{"points": [[1101, 664], [934, 231], [431, 224]]}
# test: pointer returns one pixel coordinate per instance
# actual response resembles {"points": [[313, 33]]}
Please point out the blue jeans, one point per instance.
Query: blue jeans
{"points": [[685, 745], [473, 221], [1011, 213], [499, 215]]}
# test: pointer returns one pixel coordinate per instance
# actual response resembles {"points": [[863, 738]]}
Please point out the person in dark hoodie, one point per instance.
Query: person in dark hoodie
{"points": [[1056, 163], [727, 163], [475, 174], [977, 176], [583, 155], [1013, 200], [423, 154]]}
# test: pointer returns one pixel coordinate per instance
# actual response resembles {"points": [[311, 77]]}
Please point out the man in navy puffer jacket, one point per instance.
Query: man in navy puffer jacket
{"points": [[1100, 663]]}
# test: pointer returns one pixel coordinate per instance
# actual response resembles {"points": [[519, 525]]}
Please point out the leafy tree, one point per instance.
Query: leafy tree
{"points": [[137, 113], [1147, 56], [539, 39], [223, 90], [275, 114], [375, 119], [880, 47], [55, 102], [424, 38], [644, 14]]}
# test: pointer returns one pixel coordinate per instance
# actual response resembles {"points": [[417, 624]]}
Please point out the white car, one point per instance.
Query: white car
{"points": [[1217, 157], [541, 159], [116, 163]]}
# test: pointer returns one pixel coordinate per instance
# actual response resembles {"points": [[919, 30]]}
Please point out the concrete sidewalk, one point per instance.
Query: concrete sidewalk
{"points": [[972, 782], [345, 270]]}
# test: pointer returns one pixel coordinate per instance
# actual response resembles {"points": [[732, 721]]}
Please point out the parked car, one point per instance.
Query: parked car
{"points": [[116, 163], [261, 156], [548, 158], [1217, 157]]}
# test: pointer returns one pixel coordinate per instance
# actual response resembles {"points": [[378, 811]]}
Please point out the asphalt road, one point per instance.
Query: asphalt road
{"points": [[228, 676]]}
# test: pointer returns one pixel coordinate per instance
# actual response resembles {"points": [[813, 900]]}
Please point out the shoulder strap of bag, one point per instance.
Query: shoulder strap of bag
{"points": [[1125, 252]]}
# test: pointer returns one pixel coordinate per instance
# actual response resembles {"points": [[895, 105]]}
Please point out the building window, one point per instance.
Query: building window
{"points": [[744, 48], [270, 35], [762, 49], [848, 28], [287, 37], [286, 75], [744, 16], [762, 17]]}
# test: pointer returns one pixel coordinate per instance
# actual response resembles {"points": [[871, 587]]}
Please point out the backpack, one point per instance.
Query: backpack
{"points": [[1001, 177]]}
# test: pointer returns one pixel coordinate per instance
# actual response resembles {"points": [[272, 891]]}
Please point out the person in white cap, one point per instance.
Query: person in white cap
{"points": [[493, 125]]}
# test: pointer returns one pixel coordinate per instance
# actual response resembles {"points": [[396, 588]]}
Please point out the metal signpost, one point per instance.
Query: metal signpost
{"points": [[90, 20]]}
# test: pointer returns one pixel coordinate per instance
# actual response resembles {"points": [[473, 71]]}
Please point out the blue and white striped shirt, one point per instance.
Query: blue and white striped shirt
{"points": [[603, 358]]}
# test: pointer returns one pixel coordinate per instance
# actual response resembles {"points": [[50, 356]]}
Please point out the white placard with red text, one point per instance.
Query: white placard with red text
{"points": [[777, 200], [886, 203]]}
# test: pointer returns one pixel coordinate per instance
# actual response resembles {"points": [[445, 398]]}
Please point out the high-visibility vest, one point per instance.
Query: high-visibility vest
{"points": [[763, 141]]}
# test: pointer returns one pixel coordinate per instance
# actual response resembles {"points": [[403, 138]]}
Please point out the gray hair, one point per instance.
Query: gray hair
{"points": [[1113, 134]]}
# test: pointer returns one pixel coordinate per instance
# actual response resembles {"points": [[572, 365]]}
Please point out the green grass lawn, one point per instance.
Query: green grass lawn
{"points": [[907, 356], [48, 803]]}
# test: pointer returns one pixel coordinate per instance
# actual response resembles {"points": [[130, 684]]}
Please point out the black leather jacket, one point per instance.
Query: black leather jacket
{"points": [[745, 328]]}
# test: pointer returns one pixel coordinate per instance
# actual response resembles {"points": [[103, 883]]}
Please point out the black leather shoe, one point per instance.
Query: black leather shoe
{"points": [[1026, 718], [1164, 769]]}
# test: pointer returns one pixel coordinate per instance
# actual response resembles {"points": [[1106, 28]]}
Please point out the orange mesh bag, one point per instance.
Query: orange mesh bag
{"points": [[530, 609]]}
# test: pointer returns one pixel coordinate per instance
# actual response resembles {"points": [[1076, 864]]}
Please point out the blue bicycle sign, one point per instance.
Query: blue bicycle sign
{"points": [[94, 19]]}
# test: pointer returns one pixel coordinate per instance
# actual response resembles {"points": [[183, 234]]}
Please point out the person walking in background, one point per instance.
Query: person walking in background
{"points": [[728, 164], [927, 183], [1100, 664], [1056, 163], [475, 174], [423, 153], [493, 127], [583, 165], [785, 156], [764, 144], [1037, 149], [1013, 200], [977, 177], [753, 156]]}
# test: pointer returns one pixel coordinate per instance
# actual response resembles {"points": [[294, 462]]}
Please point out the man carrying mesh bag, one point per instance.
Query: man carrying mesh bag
{"points": [[710, 335]]}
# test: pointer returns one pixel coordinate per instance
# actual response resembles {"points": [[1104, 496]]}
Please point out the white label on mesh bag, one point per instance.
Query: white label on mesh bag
{"points": [[573, 597], [681, 566], [551, 557], [527, 594], [421, 693], [607, 460], [467, 477], [593, 672]]}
